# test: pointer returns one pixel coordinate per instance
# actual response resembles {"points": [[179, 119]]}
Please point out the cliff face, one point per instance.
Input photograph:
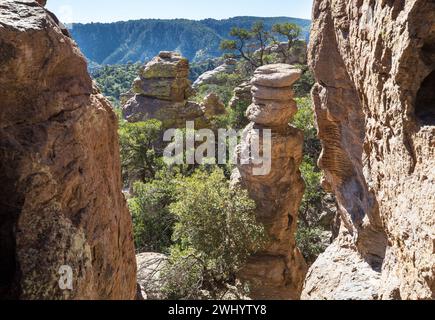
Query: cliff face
{"points": [[278, 271], [60, 190], [374, 62]]}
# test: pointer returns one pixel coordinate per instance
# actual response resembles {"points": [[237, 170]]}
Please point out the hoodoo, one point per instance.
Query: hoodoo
{"points": [[278, 271]]}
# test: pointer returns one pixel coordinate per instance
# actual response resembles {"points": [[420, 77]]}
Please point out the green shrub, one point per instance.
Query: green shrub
{"points": [[309, 241], [216, 231], [139, 158], [237, 116], [153, 223]]}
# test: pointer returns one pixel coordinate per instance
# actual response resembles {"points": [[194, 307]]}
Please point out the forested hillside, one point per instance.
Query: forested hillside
{"points": [[140, 40]]}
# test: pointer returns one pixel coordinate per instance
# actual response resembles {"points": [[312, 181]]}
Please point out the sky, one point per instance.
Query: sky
{"points": [[86, 11]]}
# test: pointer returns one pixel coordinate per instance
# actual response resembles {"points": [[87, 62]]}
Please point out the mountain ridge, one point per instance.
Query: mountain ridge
{"points": [[140, 40]]}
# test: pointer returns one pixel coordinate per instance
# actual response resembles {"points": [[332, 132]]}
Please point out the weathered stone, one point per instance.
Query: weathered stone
{"points": [[272, 93], [242, 95], [215, 76], [171, 114], [212, 106], [161, 92], [278, 271], [374, 63], [276, 75], [271, 113], [350, 277], [149, 269], [166, 65], [165, 89], [60, 193]]}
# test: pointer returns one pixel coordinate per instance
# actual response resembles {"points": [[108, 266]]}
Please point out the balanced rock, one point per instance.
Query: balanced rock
{"points": [[161, 92], [278, 271], [165, 78]]}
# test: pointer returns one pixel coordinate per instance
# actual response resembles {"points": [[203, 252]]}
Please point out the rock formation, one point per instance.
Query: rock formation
{"points": [[278, 271], [61, 206], [161, 92], [213, 76], [149, 268], [242, 95], [374, 63], [212, 106]]}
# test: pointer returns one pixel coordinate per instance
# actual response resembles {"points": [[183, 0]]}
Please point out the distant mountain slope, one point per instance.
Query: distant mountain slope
{"points": [[140, 40]]}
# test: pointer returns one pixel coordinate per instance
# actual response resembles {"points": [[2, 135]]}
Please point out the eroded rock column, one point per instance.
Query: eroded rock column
{"points": [[278, 271]]}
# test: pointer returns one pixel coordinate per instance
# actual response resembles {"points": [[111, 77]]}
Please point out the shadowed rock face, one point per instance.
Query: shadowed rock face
{"points": [[278, 271], [60, 192], [374, 62]]}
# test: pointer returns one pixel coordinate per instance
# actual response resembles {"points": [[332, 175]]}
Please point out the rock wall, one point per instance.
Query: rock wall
{"points": [[374, 63], [278, 271], [60, 192]]}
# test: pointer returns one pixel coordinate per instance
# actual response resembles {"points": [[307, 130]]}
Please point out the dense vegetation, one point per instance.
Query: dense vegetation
{"points": [[115, 80], [140, 40]]}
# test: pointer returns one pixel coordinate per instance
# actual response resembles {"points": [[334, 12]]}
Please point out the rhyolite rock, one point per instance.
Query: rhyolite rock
{"points": [[215, 76], [374, 63], [60, 193], [212, 106], [161, 92], [241, 95], [149, 275], [278, 271]]}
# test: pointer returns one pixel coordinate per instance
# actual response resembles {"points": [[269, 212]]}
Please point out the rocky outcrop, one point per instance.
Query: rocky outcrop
{"points": [[149, 268], [161, 92], [278, 271], [215, 76], [374, 63], [62, 212], [212, 106], [242, 95]]}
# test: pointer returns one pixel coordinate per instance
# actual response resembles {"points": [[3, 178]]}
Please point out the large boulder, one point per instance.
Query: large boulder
{"points": [[374, 63], [149, 275], [65, 230]]}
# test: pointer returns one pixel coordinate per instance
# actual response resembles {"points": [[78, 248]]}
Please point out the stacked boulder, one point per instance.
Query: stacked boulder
{"points": [[278, 271], [161, 92]]}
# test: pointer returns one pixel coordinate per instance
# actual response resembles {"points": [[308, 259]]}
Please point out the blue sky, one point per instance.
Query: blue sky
{"points": [[115, 10]]}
